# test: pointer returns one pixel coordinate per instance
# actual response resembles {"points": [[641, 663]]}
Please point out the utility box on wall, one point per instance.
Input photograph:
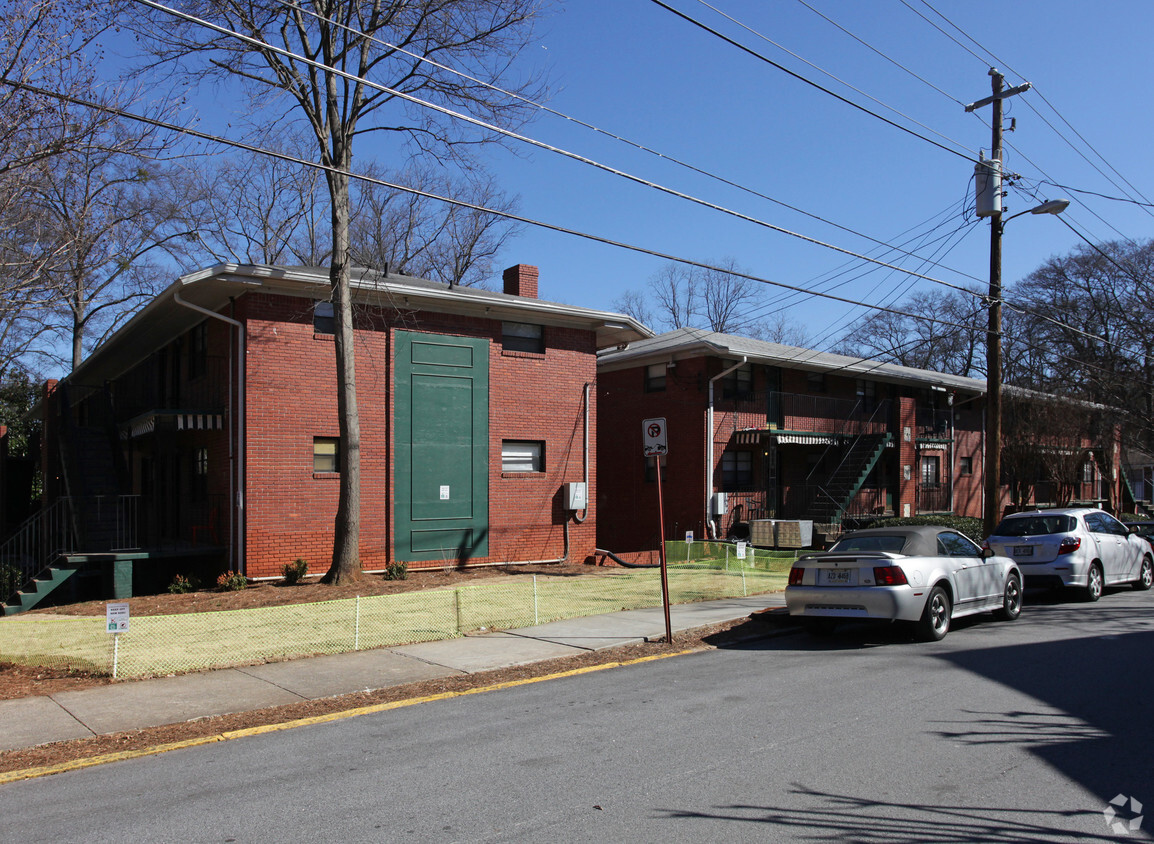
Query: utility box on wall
{"points": [[576, 495], [720, 504]]}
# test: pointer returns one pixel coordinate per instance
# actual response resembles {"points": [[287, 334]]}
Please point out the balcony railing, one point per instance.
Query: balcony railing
{"points": [[808, 413], [145, 389]]}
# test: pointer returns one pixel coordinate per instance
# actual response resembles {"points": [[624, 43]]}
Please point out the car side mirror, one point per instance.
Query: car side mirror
{"points": [[987, 552]]}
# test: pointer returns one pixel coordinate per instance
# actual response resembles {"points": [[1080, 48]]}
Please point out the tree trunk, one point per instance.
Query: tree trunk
{"points": [[346, 563]]}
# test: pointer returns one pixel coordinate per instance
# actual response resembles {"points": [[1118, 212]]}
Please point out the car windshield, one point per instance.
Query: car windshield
{"points": [[1035, 525], [892, 544]]}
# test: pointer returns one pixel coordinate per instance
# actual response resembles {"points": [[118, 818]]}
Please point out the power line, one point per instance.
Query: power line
{"points": [[525, 139], [1028, 104], [184, 130], [883, 55], [634, 144], [801, 78], [840, 81]]}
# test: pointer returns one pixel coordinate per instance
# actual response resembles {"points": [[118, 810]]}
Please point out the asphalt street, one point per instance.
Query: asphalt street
{"points": [[1001, 732]]}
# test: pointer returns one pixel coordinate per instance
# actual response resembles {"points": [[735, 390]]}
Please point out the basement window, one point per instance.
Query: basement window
{"points": [[523, 337], [522, 456], [326, 454]]}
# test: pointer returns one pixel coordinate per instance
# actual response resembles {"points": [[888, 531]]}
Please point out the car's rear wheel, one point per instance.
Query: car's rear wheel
{"points": [[1094, 583], [935, 621], [1145, 576], [1011, 600]]}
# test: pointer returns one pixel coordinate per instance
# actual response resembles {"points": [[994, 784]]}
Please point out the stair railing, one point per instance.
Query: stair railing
{"points": [[42, 537]]}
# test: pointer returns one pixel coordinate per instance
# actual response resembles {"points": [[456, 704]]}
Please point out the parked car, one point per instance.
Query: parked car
{"points": [[1078, 547], [1143, 529], [924, 575]]}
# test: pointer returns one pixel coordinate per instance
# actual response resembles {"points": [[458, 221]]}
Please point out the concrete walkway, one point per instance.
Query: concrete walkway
{"points": [[168, 700]]}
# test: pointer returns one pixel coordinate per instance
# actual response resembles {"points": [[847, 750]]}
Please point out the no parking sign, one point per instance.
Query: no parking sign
{"points": [[653, 436]]}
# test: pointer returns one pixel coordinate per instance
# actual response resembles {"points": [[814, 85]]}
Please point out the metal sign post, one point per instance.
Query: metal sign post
{"points": [[656, 445]]}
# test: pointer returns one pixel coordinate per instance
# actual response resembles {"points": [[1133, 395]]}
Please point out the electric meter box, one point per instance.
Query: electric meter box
{"points": [[576, 495], [720, 504]]}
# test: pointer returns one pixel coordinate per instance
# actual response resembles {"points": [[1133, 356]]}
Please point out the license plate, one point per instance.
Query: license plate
{"points": [[839, 577], [1023, 550]]}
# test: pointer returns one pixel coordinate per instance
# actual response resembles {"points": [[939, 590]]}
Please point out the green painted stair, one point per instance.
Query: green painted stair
{"points": [[41, 586]]}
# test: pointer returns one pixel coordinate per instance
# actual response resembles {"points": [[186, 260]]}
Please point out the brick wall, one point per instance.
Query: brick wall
{"points": [[291, 398], [628, 521]]}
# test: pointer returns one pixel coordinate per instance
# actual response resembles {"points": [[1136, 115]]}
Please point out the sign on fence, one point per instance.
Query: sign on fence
{"points": [[117, 617]]}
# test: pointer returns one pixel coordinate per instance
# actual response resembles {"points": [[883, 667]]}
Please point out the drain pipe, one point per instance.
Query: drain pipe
{"points": [[585, 477], [236, 548], [709, 447]]}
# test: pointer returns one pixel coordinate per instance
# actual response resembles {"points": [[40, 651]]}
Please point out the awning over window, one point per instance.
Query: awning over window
{"points": [[168, 420]]}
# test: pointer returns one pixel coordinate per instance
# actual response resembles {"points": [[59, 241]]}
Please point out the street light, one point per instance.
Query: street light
{"points": [[993, 461]]}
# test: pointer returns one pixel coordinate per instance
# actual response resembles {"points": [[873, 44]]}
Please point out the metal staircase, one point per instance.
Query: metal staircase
{"points": [[837, 492]]}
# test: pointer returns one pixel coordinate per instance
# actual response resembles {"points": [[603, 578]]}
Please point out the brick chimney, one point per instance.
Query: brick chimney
{"points": [[521, 280]]}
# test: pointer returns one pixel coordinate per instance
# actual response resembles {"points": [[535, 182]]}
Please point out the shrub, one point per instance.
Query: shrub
{"points": [[295, 571], [181, 585], [231, 581], [397, 571]]}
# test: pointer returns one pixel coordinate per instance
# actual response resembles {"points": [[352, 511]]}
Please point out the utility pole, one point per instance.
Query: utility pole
{"points": [[993, 209]]}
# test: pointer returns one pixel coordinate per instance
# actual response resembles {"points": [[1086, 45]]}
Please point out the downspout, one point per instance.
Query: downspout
{"points": [[585, 478], [236, 548], [709, 448]]}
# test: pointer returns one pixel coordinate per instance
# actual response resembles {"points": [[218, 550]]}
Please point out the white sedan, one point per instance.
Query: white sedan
{"points": [[925, 575]]}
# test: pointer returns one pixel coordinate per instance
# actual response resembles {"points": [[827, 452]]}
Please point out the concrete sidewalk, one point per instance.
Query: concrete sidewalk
{"points": [[168, 700]]}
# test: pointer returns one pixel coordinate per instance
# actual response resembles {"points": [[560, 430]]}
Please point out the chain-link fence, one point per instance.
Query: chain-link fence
{"points": [[166, 644]]}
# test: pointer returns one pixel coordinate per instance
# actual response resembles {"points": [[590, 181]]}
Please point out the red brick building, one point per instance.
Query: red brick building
{"points": [[784, 433], [208, 423]]}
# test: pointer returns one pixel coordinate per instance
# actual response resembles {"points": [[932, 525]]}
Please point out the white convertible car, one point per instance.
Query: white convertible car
{"points": [[924, 575]]}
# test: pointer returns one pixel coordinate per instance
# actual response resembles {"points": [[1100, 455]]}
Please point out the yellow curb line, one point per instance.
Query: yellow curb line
{"points": [[105, 758]]}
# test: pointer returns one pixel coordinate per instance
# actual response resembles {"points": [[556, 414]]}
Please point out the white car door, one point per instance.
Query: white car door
{"points": [[1113, 546], [975, 579]]}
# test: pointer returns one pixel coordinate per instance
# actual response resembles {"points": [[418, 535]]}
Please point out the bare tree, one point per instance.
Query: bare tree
{"points": [[674, 289], [635, 304], [724, 296], [1079, 325], [416, 235], [949, 340], [778, 329], [266, 210], [109, 207], [317, 56], [42, 44]]}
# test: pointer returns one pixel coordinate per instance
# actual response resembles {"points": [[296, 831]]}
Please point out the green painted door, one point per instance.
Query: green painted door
{"points": [[441, 426]]}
